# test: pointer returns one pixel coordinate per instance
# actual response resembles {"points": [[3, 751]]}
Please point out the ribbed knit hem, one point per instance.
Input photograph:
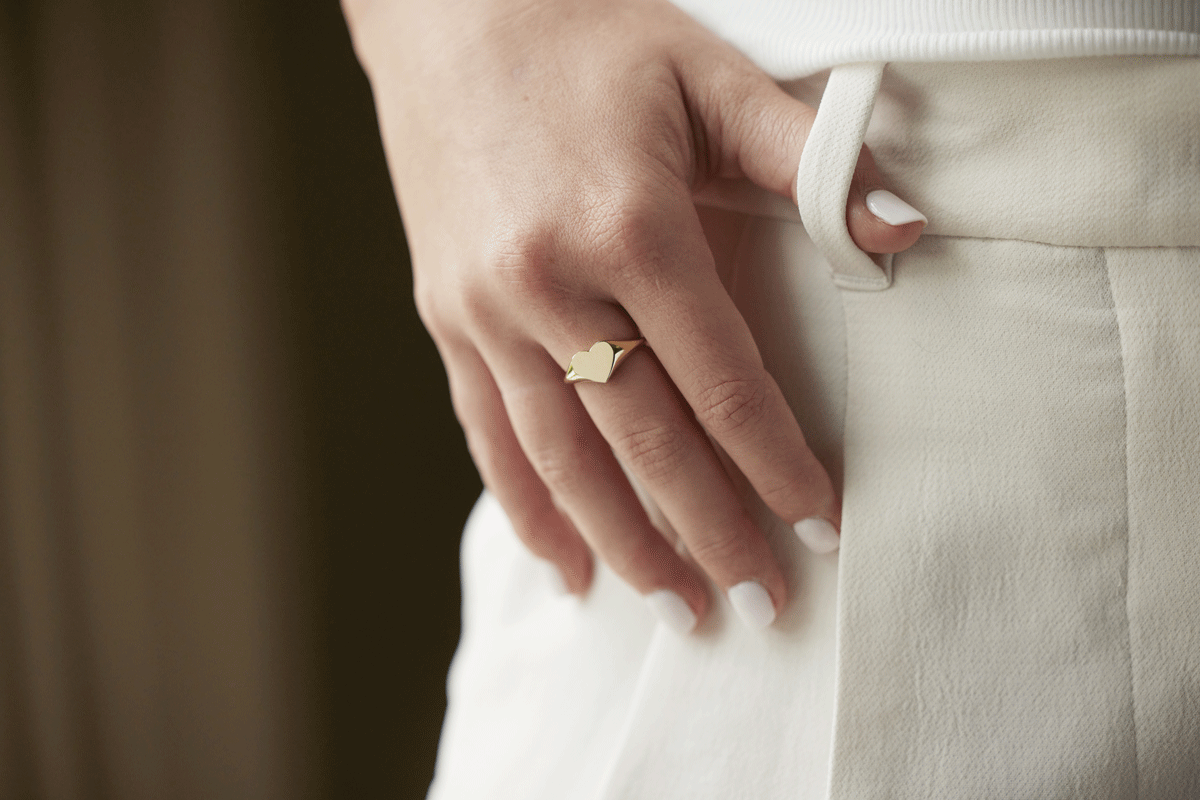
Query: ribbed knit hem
{"points": [[792, 39]]}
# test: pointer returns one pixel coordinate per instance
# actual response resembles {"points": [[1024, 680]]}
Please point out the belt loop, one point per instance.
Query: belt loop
{"points": [[827, 168]]}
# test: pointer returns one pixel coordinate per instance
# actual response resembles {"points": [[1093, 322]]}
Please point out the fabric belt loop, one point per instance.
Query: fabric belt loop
{"points": [[827, 168]]}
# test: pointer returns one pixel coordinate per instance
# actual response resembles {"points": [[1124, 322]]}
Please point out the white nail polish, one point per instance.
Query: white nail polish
{"points": [[818, 534], [752, 603], [671, 609], [892, 209]]}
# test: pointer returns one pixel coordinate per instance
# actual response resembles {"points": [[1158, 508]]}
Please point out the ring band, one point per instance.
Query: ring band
{"points": [[598, 362]]}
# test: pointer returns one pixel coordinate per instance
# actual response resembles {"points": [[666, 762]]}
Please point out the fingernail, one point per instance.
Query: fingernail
{"points": [[752, 603], [892, 209], [671, 610], [818, 534]]}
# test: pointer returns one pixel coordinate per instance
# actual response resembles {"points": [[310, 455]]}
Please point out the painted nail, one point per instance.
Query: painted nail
{"points": [[752, 603], [818, 534], [671, 610], [892, 209]]}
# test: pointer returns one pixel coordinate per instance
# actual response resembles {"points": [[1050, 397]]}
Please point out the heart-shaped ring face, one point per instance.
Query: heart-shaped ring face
{"points": [[595, 364]]}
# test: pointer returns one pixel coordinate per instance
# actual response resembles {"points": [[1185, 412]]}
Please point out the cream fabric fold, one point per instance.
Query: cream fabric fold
{"points": [[1090, 152], [983, 636], [1157, 297]]}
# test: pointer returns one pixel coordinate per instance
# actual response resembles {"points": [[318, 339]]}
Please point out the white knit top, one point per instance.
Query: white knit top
{"points": [[794, 38]]}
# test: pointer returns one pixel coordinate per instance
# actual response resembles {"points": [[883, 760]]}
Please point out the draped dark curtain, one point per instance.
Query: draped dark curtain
{"points": [[230, 484]]}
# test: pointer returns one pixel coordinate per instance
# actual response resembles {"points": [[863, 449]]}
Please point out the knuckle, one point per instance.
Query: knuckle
{"points": [[630, 219], [626, 230], [425, 299], [429, 312], [790, 494], [562, 467], [519, 260], [728, 406], [638, 556], [654, 451], [516, 264], [741, 97], [477, 303], [720, 546], [444, 325], [435, 307], [540, 528]]}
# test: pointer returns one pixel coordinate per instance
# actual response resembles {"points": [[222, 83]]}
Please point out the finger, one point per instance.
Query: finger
{"points": [[575, 462], [706, 348], [658, 439], [883, 222], [762, 131], [545, 530]]}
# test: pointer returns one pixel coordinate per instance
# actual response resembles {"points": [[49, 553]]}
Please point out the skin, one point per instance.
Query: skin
{"points": [[546, 154]]}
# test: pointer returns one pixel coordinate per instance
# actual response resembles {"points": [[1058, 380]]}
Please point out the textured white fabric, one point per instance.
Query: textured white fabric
{"points": [[795, 38], [959, 168], [982, 606], [542, 684], [1015, 428], [1157, 297]]}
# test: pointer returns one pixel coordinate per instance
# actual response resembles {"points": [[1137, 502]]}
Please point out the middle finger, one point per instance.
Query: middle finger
{"points": [[655, 435]]}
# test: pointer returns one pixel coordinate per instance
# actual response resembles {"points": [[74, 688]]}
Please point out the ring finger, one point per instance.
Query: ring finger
{"points": [[578, 466], [654, 433]]}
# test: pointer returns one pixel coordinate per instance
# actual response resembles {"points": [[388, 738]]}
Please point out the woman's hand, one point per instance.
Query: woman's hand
{"points": [[545, 155]]}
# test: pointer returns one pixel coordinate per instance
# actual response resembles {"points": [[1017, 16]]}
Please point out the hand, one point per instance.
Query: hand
{"points": [[545, 155]]}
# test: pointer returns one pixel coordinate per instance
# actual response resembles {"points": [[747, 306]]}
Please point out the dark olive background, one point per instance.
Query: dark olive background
{"points": [[390, 482], [385, 482]]}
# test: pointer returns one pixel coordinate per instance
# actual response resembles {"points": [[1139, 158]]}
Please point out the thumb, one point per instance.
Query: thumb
{"points": [[762, 134]]}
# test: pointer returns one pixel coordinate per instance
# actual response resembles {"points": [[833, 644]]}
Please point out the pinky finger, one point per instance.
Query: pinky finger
{"points": [[507, 473]]}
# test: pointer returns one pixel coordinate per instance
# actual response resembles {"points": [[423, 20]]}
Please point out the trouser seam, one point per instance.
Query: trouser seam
{"points": [[1133, 704]]}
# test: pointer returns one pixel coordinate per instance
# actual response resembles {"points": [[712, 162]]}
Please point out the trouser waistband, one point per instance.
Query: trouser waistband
{"points": [[1086, 152]]}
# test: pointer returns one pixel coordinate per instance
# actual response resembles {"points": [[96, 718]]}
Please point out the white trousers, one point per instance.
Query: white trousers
{"points": [[1012, 412]]}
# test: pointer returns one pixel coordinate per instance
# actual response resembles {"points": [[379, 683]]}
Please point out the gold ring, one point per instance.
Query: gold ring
{"points": [[598, 362]]}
